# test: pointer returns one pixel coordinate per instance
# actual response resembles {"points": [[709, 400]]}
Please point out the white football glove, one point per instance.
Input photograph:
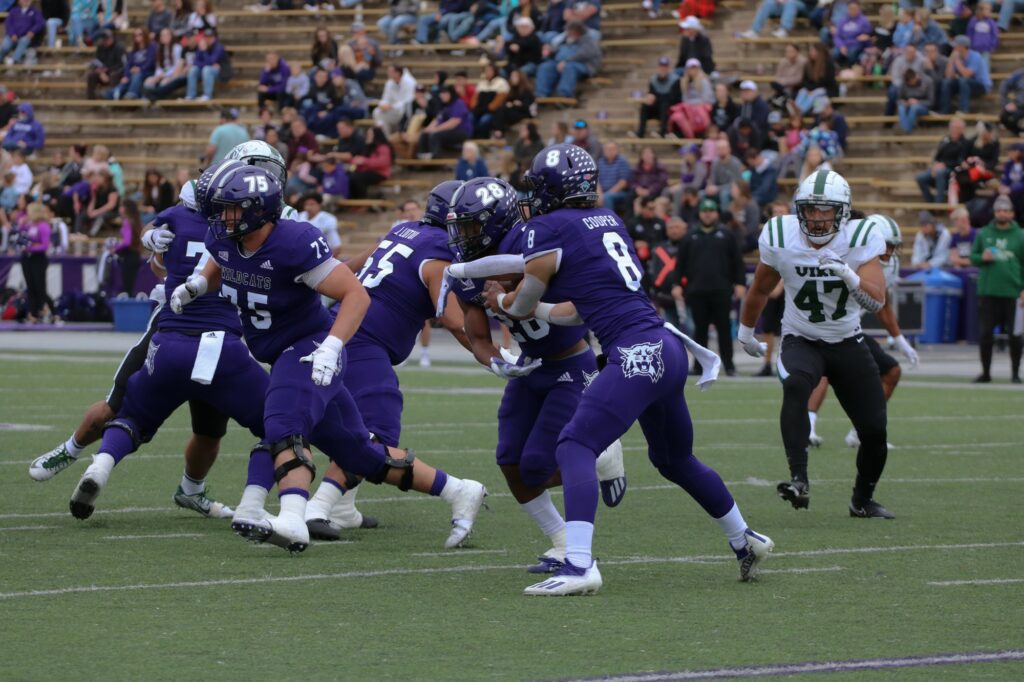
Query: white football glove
{"points": [[326, 360], [508, 356], [507, 370], [907, 350], [830, 263], [442, 296], [193, 288], [158, 239], [750, 344]]}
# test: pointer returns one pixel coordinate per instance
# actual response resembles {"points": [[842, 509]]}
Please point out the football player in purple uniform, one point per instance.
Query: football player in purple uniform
{"points": [[403, 275], [274, 271], [544, 384], [580, 254], [199, 358]]}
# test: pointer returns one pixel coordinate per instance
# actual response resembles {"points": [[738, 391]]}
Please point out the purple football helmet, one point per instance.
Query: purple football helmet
{"points": [[436, 212], [559, 174], [482, 211], [255, 193]]}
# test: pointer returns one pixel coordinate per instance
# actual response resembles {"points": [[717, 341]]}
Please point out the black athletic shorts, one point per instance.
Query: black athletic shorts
{"points": [[884, 361], [771, 316], [206, 419]]}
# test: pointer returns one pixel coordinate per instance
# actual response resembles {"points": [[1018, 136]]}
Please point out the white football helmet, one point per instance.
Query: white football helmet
{"points": [[259, 153], [823, 189], [893, 240]]}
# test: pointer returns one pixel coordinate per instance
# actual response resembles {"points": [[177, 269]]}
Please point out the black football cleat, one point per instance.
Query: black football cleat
{"points": [[869, 510], [323, 530], [796, 492]]}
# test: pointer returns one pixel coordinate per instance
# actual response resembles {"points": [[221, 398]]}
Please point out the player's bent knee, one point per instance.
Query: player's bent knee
{"points": [[298, 444], [535, 468], [798, 386], [129, 427], [405, 465]]}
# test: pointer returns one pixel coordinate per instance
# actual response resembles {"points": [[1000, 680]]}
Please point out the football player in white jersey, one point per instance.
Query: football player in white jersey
{"points": [[831, 271], [888, 367]]}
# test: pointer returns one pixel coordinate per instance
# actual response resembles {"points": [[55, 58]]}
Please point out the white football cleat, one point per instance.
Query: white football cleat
{"points": [[464, 510], [345, 515], [568, 580], [45, 467], [611, 472], [83, 500], [757, 549], [852, 440], [814, 440], [287, 531]]}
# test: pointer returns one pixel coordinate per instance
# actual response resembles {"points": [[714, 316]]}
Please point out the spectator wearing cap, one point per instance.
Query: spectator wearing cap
{"points": [[789, 73], [931, 244], [23, 27], [209, 65], [313, 213], [139, 65], [837, 122], [909, 58], [693, 44], [662, 92], [962, 236], [524, 50], [584, 138], [998, 253], [966, 74], [273, 79], [360, 56], [452, 126], [613, 173], [25, 133], [399, 90], [107, 66], [786, 9], [752, 106], [913, 98], [692, 116], [709, 274], [401, 13], [225, 137], [819, 78], [851, 35], [1011, 102], [578, 57], [430, 26], [1011, 184]]}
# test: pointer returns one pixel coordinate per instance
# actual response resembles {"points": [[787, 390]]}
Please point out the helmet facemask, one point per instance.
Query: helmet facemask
{"points": [[466, 235], [820, 219]]}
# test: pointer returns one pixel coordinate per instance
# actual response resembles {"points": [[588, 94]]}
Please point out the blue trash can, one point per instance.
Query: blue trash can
{"points": [[942, 292], [131, 315]]}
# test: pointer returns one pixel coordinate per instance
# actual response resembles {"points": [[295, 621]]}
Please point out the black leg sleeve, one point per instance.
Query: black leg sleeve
{"points": [[801, 366]]}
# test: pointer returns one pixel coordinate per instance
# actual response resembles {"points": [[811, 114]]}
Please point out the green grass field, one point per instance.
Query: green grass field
{"points": [[144, 591]]}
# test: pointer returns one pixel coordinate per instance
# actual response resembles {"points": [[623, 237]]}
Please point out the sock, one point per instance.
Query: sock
{"points": [[579, 538], [73, 448], [425, 352], [450, 488], [813, 416], [293, 501], [261, 470], [117, 443], [440, 480], [544, 513], [253, 497], [103, 462], [192, 486], [327, 495], [733, 525], [579, 481]]}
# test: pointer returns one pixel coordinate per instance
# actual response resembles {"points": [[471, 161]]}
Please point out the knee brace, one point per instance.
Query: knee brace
{"points": [[391, 463], [128, 427], [298, 443]]}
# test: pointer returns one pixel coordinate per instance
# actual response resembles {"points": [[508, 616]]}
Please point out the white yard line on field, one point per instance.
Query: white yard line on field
{"points": [[991, 581], [154, 536], [471, 568], [19, 528]]}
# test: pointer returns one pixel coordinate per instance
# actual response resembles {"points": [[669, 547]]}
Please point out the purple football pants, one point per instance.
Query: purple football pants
{"points": [[372, 381]]}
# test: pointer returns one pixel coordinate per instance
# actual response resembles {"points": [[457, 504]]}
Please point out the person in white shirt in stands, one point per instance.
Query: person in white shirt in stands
{"points": [[931, 244], [313, 213]]}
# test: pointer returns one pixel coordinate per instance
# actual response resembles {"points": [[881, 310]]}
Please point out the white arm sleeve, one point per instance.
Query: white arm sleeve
{"points": [[528, 297], [491, 266], [313, 278], [545, 312]]}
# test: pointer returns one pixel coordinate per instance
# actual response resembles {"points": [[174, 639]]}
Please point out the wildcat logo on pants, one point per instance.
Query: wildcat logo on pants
{"points": [[643, 359]]}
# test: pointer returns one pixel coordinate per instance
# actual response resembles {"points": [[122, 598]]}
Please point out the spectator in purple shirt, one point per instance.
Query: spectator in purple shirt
{"points": [[962, 238], [26, 133], [851, 35], [209, 64], [36, 234], [983, 32], [140, 65], [24, 23], [1012, 182], [273, 79], [452, 126]]}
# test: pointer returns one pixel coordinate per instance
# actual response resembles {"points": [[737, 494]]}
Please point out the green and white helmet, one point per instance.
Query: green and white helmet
{"points": [[259, 153], [822, 189], [894, 241]]}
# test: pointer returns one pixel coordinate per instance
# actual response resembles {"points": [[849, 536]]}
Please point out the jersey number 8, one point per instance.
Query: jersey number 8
{"points": [[619, 252]]}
